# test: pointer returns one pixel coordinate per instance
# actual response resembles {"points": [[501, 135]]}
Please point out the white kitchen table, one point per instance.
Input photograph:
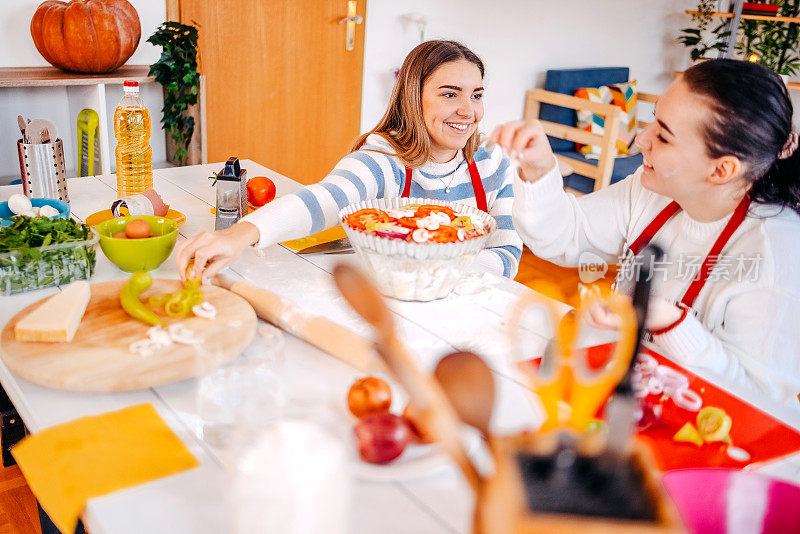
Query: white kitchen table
{"points": [[193, 501]]}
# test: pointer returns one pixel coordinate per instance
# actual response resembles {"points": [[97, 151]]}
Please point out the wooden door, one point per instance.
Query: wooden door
{"points": [[280, 87]]}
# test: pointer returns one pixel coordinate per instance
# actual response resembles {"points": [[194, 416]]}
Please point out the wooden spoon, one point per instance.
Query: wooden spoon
{"points": [[469, 385], [437, 417], [22, 125]]}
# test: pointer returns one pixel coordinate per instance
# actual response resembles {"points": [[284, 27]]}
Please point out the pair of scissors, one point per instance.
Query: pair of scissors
{"points": [[564, 377]]}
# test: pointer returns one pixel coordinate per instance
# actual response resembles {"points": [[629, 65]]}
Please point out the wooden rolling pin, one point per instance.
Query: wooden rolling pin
{"points": [[323, 333]]}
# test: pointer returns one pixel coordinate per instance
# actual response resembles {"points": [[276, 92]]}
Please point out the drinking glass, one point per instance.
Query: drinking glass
{"points": [[237, 400], [268, 348]]}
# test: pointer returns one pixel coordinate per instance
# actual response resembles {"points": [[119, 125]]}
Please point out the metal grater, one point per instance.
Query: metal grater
{"points": [[84, 163], [42, 170]]}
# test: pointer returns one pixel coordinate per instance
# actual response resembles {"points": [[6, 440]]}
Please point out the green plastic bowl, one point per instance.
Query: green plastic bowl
{"points": [[143, 254]]}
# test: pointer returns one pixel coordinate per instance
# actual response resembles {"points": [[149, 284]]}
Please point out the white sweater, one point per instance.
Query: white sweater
{"points": [[369, 173], [747, 327]]}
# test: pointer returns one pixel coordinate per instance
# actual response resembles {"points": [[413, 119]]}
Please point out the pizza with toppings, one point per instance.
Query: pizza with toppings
{"points": [[419, 223]]}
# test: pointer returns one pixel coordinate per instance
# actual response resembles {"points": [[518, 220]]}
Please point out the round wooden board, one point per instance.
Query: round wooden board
{"points": [[98, 358]]}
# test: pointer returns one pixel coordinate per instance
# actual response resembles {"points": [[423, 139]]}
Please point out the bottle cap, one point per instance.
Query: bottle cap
{"points": [[130, 86]]}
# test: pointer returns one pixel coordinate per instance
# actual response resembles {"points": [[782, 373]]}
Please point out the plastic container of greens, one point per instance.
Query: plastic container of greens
{"points": [[29, 268]]}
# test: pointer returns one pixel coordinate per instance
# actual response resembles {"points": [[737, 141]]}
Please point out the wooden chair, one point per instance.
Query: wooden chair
{"points": [[601, 172], [563, 283]]}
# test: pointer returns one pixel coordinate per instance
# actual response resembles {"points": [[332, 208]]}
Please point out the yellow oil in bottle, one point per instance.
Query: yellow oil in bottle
{"points": [[133, 153]]}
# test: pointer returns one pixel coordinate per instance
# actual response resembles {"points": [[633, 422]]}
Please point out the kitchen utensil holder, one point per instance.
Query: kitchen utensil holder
{"points": [[502, 506], [41, 167]]}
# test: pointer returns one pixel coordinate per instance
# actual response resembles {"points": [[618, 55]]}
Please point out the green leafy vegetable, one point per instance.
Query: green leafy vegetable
{"points": [[30, 257]]}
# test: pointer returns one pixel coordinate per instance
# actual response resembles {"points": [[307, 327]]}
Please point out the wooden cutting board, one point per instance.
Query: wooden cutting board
{"points": [[98, 358]]}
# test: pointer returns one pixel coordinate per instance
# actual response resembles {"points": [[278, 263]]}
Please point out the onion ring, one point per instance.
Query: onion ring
{"points": [[687, 399], [671, 378], [655, 386], [645, 363]]}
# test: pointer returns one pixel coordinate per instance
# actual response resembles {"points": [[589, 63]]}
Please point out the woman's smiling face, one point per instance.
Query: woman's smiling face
{"points": [[676, 162], [452, 107]]}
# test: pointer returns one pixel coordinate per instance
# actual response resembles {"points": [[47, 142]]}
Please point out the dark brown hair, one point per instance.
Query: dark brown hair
{"points": [[402, 125], [751, 119]]}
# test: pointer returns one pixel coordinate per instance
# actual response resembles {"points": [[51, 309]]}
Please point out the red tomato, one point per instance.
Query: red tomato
{"points": [[427, 209], [445, 234], [369, 395], [361, 218], [382, 437], [260, 190]]}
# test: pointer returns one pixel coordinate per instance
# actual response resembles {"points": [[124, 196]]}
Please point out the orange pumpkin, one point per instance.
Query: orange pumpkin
{"points": [[92, 36]]}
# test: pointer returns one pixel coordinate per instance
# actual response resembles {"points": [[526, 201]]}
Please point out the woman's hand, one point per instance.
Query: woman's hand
{"points": [[213, 251], [660, 314], [526, 141]]}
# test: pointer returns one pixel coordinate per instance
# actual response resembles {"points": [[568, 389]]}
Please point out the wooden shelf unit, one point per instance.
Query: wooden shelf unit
{"points": [[83, 90], [749, 17], [53, 77]]}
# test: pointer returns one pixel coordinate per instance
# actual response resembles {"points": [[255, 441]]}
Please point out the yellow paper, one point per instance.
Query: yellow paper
{"points": [[68, 464], [325, 236]]}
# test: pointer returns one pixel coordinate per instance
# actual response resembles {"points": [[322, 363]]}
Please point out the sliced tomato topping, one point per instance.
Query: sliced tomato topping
{"points": [[360, 218], [407, 222], [445, 234], [427, 209]]}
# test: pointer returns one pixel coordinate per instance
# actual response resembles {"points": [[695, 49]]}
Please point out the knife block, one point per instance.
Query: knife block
{"points": [[502, 504]]}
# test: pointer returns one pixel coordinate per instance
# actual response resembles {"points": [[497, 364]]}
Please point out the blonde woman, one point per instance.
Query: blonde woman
{"points": [[426, 145]]}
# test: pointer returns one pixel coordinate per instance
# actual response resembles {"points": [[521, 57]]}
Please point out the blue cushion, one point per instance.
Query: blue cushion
{"points": [[567, 81], [623, 166]]}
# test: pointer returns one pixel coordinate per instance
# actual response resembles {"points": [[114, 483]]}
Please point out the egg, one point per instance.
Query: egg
{"points": [[137, 229], [48, 211], [120, 235], [19, 204]]}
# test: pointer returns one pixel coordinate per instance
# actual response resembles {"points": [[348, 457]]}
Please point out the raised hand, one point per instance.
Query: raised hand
{"points": [[526, 142]]}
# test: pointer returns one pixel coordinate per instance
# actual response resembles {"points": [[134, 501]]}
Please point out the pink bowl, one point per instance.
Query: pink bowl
{"points": [[730, 501]]}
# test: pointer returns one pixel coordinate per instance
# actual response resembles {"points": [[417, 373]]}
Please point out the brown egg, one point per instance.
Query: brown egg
{"points": [[137, 229], [120, 235]]}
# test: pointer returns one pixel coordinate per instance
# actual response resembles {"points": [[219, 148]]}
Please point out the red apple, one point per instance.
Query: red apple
{"points": [[382, 437]]}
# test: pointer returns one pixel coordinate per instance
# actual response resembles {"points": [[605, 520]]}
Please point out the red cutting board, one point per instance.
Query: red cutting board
{"points": [[761, 435]]}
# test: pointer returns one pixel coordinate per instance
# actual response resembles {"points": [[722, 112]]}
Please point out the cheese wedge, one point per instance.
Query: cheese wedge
{"points": [[57, 319]]}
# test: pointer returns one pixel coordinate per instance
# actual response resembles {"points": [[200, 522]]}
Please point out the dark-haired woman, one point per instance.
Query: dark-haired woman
{"points": [[427, 145], [720, 192]]}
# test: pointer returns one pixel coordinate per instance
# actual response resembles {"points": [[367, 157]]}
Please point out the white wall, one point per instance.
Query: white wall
{"points": [[16, 44], [519, 39], [17, 50]]}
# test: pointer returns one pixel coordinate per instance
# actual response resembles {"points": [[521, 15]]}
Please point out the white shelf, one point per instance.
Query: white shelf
{"points": [[100, 92]]}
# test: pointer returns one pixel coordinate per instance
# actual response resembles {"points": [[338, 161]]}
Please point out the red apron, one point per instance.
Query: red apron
{"points": [[711, 259], [477, 186]]}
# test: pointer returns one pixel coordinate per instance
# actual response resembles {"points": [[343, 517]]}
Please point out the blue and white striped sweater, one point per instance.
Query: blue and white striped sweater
{"points": [[370, 173]]}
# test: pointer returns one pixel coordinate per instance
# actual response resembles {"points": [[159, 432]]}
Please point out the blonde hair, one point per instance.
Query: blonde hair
{"points": [[403, 125]]}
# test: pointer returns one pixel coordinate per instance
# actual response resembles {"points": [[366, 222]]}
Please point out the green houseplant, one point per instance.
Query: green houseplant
{"points": [[771, 43], [176, 71], [701, 38]]}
